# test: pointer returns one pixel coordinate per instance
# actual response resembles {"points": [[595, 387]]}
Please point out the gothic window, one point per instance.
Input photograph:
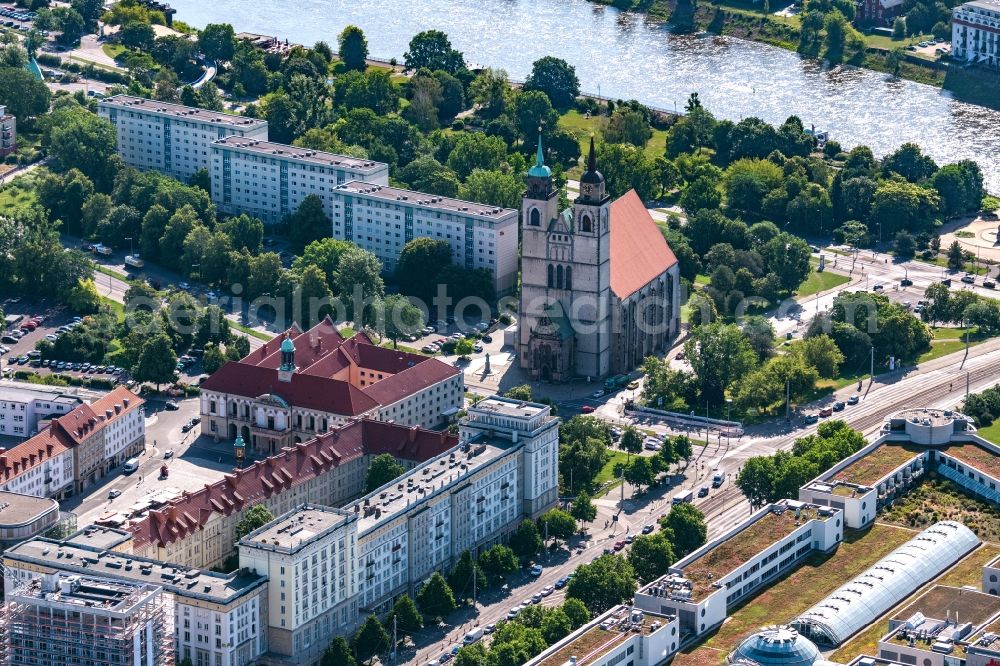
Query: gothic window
{"points": [[551, 279], [535, 218], [569, 277], [559, 277], [586, 225]]}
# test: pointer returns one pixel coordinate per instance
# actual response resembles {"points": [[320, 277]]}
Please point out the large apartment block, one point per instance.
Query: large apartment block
{"points": [[172, 138], [26, 408], [975, 32], [270, 180], [8, 132], [384, 219]]}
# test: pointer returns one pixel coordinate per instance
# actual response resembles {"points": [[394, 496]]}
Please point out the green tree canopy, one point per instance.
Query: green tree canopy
{"points": [[526, 541], [432, 49], [556, 78], [688, 528], [353, 47], [255, 517], [605, 582], [650, 556], [383, 469], [435, 598], [371, 639]]}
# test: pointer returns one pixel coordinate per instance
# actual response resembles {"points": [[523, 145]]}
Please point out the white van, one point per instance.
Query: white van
{"points": [[131, 465], [473, 636], [718, 478], [683, 497]]}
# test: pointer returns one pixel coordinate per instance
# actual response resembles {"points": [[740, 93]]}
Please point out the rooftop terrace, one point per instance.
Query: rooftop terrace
{"points": [[730, 554], [872, 468], [600, 639], [975, 456]]}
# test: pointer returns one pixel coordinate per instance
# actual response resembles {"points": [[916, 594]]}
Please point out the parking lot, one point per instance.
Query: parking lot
{"points": [[16, 17]]}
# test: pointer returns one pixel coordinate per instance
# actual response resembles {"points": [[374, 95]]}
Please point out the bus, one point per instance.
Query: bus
{"points": [[131, 465], [683, 497]]}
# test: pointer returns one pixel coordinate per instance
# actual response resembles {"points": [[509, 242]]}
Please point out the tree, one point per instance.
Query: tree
{"points": [[83, 298], [419, 265], [960, 187], [956, 256], [256, 517], [650, 556], [556, 78], [472, 655], [822, 353], [432, 49], [491, 91], [463, 347], [452, 95], [557, 524], [701, 194], [401, 318], [371, 639], [626, 167], [384, 468], [627, 126], [435, 598], [466, 577], [687, 524], [899, 28], [71, 24], [719, 354], [525, 540], [756, 480], [426, 174], [157, 361], [521, 392], [533, 109], [576, 611], [493, 188], [910, 163], [474, 150], [497, 562], [213, 359], [77, 138], [359, 272], [639, 472], [244, 232], [583, 508], [607, 581], [353, 47], [904, 245], [137, 35], [338, 653], [217, 41]]}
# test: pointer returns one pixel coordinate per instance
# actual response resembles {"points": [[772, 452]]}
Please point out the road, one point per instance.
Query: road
{"points": [[937, 383]]}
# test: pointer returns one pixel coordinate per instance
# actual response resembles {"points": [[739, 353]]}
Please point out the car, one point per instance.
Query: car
{"points": [[455, 649], [906, 282], [429, 349], [968, 279], [812, 418], [9, 339], [839, 406], [478, 348], [652, 444], [630, 538], [599, 393], [172, 406], [536, 599], [445, 657], [619, 545], [184, 286], [513, 612], [587, 409], [490, 628], [456, 336], [168, 454], [487, 338], [854, 399], [825, 412], [703, 491], [878, 287], [526, 602], [427, 330], [187, 427], [51, 337], [562, 582], [648, 529], [632, 386], [536, 570], [989, 284], [113, 493]]}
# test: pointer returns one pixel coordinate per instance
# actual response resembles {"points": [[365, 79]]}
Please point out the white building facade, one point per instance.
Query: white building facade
{"points": [[975, 32], [384, 219], [270, 180], [171, 138], [22, 407]]}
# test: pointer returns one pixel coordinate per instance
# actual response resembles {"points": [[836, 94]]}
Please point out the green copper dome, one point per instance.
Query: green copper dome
{"points": [[287, 346], [239, 443], [540, 170]]}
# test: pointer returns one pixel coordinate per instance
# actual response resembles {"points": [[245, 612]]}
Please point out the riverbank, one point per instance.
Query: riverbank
{"points": [[781, 28]]}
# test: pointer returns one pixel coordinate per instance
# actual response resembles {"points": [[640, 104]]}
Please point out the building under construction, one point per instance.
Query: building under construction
{"points": [[71, 620]]}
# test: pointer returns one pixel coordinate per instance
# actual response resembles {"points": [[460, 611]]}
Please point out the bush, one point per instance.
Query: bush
{"points": [[49, 60], [458, 125]]}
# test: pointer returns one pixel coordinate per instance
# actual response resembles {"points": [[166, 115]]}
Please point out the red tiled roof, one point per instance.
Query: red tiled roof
{"points": [[67, 431], [639, 253], [288, 469], [320, 353], [309, 391]]}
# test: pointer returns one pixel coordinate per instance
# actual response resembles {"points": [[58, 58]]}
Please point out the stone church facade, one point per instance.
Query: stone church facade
{"points": [[600, 287]]}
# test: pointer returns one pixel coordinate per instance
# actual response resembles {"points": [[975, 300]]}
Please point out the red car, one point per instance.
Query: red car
{"points": [[826, 411], [586, 409], [619, 545]]}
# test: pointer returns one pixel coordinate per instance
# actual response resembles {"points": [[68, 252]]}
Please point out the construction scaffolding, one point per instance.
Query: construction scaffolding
{"points": [[69, 620]]}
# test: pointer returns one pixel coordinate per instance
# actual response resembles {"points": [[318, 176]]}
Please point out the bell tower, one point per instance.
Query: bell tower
{"points": [[541, 200]]}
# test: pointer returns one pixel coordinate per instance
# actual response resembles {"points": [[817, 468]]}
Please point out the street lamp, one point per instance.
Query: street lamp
{"points": [[729, 426], [131, 251]]}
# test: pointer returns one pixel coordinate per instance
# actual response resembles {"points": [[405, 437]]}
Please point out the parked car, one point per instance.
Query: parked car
{"points": [[838, 406], [172, 406], [619, 545], [586, 409], [647, 529], [562, 582], [968, 279], [906, 282], [812, 418], [487, 338], [825, 412], [113, 493], [536, 570], [703, 491], [599, 393], [989, 284], [854, 399]]}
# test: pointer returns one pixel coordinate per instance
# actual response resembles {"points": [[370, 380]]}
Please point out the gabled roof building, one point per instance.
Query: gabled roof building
{"points": [[304, 383]]}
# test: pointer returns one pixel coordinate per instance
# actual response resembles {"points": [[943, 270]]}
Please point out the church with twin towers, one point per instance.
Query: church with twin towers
{"points": [[600, 287]]}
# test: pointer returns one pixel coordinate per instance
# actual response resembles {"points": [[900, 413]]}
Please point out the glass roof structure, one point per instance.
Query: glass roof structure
{"points": [[776, 646], [890, 580]]}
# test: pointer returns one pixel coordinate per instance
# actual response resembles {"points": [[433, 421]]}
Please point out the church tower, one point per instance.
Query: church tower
{"points": [[592, 271]]}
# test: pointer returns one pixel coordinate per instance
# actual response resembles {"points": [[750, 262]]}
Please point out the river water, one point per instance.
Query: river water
{"points": [[622, 55]]}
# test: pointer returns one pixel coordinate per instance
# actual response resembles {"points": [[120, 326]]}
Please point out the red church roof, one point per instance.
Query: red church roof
{"points": [[639, 253], [291, 467]]}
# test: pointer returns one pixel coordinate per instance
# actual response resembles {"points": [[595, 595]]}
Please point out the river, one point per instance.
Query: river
{"points": [[623, 55]]}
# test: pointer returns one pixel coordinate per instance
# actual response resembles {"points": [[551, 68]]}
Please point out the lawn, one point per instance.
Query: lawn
{"points": [[948, 341], [607, 473], [939, 499], [992, 433], [888, 43], [810, 583], [112, 50], [967, 572], [819, 281], [582, 128], [18, 195], [251, 331], [970, 267]]}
